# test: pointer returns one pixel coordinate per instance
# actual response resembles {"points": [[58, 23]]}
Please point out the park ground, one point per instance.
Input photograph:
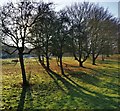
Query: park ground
{"points": [[93, 87]]}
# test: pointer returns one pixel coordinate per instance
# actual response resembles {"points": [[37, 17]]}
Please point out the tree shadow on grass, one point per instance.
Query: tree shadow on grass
{"points": [[90, 98], [65, 80], [108, 62], [104, 72], [55, 80], [84, 77], [26, 91], [93, 79]]}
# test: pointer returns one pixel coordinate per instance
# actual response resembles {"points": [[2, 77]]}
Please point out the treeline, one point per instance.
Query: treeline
{"points": [[83, 30]]}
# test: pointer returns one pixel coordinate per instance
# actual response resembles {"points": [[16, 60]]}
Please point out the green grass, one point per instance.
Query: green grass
{"points": [[93, 87]]}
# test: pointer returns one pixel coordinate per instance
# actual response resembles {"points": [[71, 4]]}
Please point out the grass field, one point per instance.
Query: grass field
{"points": [[92, 87]]}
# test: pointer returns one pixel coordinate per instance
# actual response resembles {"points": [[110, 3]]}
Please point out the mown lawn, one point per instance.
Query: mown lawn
{"points": [[92, 87]]}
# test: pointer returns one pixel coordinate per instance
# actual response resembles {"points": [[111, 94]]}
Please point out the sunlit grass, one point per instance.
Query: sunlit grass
{"points": [[92, 87]]}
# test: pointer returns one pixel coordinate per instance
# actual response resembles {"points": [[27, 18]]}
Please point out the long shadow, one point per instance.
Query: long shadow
{"points": [[54, 75], [26, 90], [93, 79], [22, 99], [113, 86], [84, 77], [55, 80], [109, 62], [101, 72], [66, 81], [67, 84], [77, 91]]}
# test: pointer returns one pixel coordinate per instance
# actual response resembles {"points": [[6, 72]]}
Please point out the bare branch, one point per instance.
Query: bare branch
{"points": [[9, 45], [29, 51], [9, 52]]}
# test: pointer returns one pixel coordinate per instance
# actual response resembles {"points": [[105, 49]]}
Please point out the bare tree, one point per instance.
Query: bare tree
{"points": [[110, 34], [100, 30], [16, 20], [60, 38], [42, 33], [79, 30]]}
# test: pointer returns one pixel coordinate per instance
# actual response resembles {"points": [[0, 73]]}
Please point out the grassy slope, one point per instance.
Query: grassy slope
{"points": [[93, 87]]}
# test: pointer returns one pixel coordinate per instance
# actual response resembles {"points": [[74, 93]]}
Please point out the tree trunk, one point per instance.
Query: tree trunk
{"points": [[80, 64], [79, 60], [93, 57], [47, 61], [102, 57], [61, 66], [93, 61], [22, 68], [57, 60], [107, 55], [41, 61]]}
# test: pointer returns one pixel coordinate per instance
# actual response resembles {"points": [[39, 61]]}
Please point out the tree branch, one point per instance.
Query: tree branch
{"points": [[10, 53], [9, 45], [29, 51]]}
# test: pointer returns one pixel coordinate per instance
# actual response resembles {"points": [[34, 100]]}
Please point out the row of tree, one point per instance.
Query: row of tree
{"points": [[82, 29]]}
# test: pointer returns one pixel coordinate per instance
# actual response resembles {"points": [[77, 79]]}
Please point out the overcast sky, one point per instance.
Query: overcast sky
{"points": [[112, 5]]}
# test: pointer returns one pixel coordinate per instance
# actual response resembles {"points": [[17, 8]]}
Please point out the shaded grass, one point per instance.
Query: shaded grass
{"points": [[93, 87]]}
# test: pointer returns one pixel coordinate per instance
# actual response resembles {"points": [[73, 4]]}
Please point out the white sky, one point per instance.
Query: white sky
{"points": [[112, 5]]}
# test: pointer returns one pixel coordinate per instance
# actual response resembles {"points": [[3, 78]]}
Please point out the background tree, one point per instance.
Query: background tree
{"points": [[60, 38], [42, 33], [79, 31], [111, 36], [99, 30]]}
